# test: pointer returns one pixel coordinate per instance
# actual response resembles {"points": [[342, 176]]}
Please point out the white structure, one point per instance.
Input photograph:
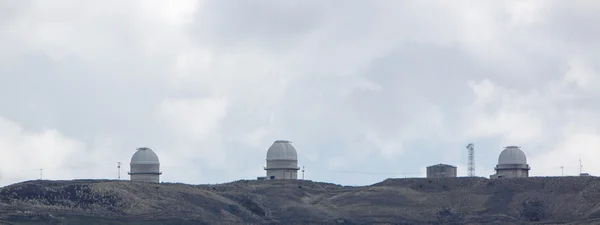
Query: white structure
{"points": [[282, 161], [145, 166], [512, 162]]}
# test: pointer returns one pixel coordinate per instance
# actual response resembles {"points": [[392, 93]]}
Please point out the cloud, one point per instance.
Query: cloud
{"points": [[382, 87], [582, 75], [193, 118], [500, 111], [554, 122], [24, 150]]}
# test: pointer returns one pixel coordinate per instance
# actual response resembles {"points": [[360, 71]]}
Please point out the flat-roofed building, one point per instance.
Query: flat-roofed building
{"points": [[441, 171]]}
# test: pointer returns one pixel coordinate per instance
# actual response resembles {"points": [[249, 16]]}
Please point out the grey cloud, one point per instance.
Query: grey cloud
{"points": [[74, 96], [573, 23], [373, 87], [269, 24]]}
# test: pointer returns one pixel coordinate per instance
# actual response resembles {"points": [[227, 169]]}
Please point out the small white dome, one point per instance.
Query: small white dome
{"points": [[512, 155], [282, 150], [144, 156]]}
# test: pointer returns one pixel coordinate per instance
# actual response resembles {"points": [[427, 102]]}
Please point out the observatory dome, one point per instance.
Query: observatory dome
{"points": [[144, 156], [512, 155], [282, 150]]}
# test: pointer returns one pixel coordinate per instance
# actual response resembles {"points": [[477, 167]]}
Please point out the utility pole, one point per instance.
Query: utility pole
{"points": [[118, 170], [562, 171]]}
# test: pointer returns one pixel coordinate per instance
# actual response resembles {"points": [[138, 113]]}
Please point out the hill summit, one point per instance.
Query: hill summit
{"points": [[393, 201]]}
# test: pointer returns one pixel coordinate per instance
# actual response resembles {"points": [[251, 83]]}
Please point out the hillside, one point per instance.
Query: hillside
{"points": [[551, 200]]}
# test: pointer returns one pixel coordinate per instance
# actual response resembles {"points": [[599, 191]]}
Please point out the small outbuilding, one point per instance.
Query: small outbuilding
{"points": [[441, 171]]}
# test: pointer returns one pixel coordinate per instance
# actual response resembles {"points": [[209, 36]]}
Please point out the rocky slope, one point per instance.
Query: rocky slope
{"points": [[545, 200]]}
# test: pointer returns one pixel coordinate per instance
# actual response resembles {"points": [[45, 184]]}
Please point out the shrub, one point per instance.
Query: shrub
{"points": [[533, 210]]}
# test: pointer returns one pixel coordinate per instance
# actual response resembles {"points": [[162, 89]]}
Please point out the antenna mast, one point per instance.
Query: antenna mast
{"points": [[118, 170], [41, 174], [302, 172], [471, 148]]}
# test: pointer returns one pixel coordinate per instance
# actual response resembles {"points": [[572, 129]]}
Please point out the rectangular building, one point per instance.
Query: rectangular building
{"points": [[441, 170]]}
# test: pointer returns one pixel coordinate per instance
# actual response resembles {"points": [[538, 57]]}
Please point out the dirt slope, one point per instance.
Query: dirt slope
{"points": [[547, 200]]}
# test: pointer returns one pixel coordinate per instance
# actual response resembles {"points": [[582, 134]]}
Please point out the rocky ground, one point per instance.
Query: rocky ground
{"points": [[543, 200]]}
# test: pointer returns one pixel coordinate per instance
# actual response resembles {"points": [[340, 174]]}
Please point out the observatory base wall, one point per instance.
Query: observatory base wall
{"points": [[282, 174], [151, 178], [510, 173]]}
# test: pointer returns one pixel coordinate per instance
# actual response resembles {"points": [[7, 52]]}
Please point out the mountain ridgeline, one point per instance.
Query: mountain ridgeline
{"points": [[548, 200]]}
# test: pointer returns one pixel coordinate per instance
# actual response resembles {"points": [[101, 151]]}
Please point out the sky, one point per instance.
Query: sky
{"points": [[365, 90]]}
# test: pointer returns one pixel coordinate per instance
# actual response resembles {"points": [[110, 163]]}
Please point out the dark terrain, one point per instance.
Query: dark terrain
{"points": [[543, 200]]}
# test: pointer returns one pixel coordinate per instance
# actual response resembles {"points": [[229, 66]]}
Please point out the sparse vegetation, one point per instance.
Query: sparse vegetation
{"points": [[410, 201], [533, 210]]}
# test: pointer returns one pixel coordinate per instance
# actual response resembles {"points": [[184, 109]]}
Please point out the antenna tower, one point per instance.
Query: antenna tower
{"points": [[562, 171], [41, 174], [580, 167], [471, 149], [118, 170]]}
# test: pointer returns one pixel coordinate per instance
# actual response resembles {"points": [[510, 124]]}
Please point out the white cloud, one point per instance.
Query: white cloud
{"points": [[23, 152], [582, 75], [524, 13]]}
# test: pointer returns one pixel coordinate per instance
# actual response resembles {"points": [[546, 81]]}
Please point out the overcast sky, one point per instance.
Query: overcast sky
{"points": [[361, 88]]}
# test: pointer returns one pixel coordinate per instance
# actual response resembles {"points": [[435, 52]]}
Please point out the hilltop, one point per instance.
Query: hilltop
{"points": [[549, 200]]}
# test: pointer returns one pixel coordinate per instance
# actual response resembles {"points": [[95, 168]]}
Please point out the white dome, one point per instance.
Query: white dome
{"points": [[512, 155], [144, 156], [282, 150]]}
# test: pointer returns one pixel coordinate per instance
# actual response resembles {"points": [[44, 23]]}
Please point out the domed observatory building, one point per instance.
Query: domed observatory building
{"points": [[145, 166], [512, 162], [282, 161]]}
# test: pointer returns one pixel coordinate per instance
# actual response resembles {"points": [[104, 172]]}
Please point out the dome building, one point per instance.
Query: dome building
{"points": [[282, 161], [512, 162], [145, 166]]}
